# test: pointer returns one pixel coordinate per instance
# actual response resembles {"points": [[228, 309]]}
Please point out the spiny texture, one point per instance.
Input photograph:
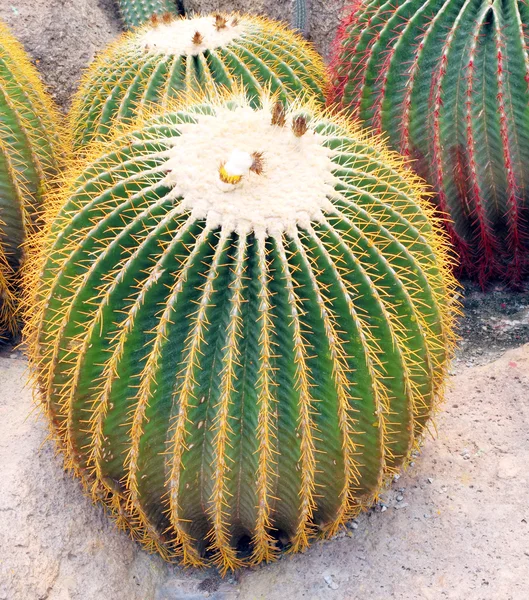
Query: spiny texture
{"points": [[447, 82], [158, 62], [301, 16], [138, 12], [28, 161], [242, 325]]}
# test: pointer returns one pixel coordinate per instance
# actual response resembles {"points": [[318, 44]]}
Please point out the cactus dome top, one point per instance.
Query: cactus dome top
{"points": [[251, 170], [191, 36]]}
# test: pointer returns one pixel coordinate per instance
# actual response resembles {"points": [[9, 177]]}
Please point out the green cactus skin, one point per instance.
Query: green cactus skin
{"points": [[231, 353], [301, 17], [149, 67], [447, 82], [138, 12], [29, 145]]}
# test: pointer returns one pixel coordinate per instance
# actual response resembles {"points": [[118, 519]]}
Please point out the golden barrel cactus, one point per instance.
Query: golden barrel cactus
{"points": [[155, 63], [243, 323], [30, 150]]}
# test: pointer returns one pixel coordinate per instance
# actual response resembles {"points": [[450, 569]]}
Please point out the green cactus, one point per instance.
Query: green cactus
{"points": [[243, 322], [138, 12], [447, 82], [157, 63], [29, 145], [301, 16]]}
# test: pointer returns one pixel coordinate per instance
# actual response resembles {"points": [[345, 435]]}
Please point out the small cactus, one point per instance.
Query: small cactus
{"points": [[28, 161], [158, 62], [138, 12], [243, 322], [447, 82], [301, 16]]}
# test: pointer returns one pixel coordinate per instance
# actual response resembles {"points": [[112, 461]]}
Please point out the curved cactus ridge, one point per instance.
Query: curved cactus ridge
{"points": [[447, 82], [241, 327], [29, 147], [138, 12], [156, 63]]}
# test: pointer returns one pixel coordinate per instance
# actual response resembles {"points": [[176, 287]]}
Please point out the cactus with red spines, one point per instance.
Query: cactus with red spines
{"points": [[448, 82]]}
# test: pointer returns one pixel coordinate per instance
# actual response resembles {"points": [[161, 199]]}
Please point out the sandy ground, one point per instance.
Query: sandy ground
{"points": [[456, 525]]}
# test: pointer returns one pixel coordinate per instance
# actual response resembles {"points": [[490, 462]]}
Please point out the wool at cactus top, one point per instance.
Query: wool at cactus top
{"points": [[293, 192], [28, 162], [447, 81], [157, 62], [223, 378]]}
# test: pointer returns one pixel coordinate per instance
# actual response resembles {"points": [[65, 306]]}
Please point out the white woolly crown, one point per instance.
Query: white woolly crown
{"points": [[211, 169], [190, 37]]}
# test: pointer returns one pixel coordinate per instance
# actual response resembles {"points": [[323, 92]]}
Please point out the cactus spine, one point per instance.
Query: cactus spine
{"points": [[138, 12], [243, 322], [447, 81], [28, 161], [157, 63]]}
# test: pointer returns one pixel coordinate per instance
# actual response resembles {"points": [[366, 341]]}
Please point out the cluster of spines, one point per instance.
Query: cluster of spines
{"points": [[138, 12], [371, 284], [446, 80], [127, 79], [30, 151]]}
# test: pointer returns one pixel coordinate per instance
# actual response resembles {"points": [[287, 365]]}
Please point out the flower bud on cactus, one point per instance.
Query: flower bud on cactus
{"points": [[28, 161], [156, 63], [243, 324], [447, 82], [137, 12]]}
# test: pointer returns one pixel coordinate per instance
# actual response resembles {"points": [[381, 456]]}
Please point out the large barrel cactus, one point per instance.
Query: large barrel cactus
{"points": [[242, 326], [137, 12], [28, 161], [159, 61], [447, 81]]}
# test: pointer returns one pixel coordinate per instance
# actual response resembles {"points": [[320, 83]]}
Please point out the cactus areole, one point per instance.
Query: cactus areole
{"points": [[157, 62], [448, 82], [243, 325]]}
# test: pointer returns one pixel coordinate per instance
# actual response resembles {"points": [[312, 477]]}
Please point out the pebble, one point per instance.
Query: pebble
{"points": [[352, 525], [383, 508], [330, 582], [402, 505], [400, 498], [430, 480]]}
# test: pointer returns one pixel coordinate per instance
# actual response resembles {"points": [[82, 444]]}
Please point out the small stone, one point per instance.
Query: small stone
{"points": [[430, 480], [400, 498], [330, 582], [352, 525], [396, 477], [402, 505], [383, 508]]}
